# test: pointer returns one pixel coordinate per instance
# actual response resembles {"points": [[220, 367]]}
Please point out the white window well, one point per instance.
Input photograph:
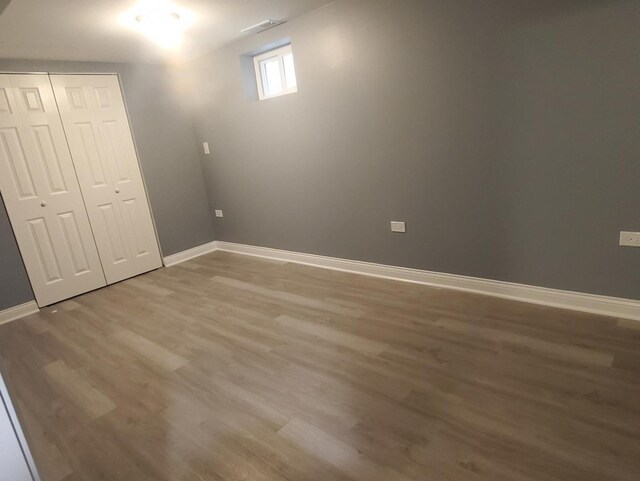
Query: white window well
{"points": [[275, 73]]}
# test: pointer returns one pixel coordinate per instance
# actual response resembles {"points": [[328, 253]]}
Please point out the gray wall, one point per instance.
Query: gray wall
{"points": [[14, 283], [571, 143], [506, 137], [163, 130]]}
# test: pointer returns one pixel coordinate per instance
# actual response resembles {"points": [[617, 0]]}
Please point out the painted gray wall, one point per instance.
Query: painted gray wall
{"points": [[505, 134], [571, 143], [163, 130], [14, 283]]}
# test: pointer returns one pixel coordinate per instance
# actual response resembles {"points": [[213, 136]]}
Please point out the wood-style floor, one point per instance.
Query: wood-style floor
{"points": [[234, 368]]}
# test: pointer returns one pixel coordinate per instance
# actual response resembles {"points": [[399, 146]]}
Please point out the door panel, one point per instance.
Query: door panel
{"points": [[47, 256], [109, 223], [49, 159], [41, 192], [95, 121], [17, 162], [74, 244]]}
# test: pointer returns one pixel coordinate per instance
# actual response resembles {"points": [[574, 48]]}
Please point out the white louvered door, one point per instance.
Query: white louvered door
{"points": [[95, 121], [41, 192]]}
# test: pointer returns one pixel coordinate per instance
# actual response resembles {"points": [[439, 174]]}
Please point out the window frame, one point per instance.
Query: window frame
{"points": [[258, 61]]}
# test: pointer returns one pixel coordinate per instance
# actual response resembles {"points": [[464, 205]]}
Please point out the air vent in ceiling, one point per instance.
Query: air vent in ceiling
{"points": [[262, 26]]}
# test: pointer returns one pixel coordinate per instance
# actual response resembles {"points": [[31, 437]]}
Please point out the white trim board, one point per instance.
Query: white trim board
{"points": [[592, 303], [16, 312], [184, 256]]}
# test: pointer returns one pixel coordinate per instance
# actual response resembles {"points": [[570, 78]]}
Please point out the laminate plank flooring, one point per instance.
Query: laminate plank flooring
{"points": [[83, 394], [229, 367]]}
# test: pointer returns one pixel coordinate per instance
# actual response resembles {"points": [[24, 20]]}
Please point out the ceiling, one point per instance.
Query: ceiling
{"points": [[91, 30]]}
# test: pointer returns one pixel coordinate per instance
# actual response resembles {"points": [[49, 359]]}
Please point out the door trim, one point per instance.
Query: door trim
{"points": [[5, 399]]}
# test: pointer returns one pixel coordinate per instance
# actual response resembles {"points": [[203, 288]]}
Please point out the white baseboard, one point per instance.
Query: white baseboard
{"points": [[16, 312], [608, 306], [592, 303], [183, 256]]}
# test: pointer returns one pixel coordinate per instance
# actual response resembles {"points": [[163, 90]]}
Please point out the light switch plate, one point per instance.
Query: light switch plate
{"points": [[219, 213], [397, 226], [205, 146], [630, 239]]}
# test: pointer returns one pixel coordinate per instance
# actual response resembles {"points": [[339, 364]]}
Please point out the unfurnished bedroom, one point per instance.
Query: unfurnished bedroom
{"points": [[294, 240]]}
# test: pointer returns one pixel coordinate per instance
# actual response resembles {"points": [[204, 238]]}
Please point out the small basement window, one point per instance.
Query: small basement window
{"points": [[275, 73]]}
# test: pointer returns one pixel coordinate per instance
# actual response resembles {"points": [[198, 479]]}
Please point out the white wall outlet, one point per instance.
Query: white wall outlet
{"points": [[630, 239], [219, 213], [398, 226], [205, 146]]}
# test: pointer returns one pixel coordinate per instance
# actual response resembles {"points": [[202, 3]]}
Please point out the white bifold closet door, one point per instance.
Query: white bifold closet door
{"points": [[41, 192], [95, 121]]}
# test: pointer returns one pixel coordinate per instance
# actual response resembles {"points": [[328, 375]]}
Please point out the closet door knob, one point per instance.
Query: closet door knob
{"points": [[43, 204], [117, 191]]}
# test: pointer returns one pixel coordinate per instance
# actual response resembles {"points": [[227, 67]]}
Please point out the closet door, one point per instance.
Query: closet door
{"points": [[95, 121], [41, 192]]}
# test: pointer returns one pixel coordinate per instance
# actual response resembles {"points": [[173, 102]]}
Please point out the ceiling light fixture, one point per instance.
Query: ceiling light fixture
{"points": [[170, 17], [160, 21]]}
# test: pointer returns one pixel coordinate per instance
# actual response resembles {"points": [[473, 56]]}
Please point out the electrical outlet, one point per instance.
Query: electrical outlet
{"points": [[630, 239], [219, 213], [397, 226], [205, 146]]}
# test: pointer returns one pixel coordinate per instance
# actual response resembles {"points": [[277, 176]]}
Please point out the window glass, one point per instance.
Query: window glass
{"points": [[289, 71], [275, 73], [271, 76]]}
